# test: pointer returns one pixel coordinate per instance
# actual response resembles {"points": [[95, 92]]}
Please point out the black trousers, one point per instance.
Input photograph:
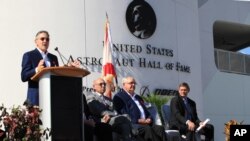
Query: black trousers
{"points": [[207, 131], [151, 132], [102, 131]]}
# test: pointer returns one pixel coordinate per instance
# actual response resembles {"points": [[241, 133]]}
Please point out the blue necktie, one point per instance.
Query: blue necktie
{"points": [[188, 112]]}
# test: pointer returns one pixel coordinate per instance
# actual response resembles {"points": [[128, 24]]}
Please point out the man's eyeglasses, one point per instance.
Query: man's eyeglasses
{"points": [[102, 84], [131, 83], [43, 38]]}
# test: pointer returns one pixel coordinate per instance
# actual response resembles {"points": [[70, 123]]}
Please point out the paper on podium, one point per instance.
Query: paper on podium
{"points": [[204, 123]]}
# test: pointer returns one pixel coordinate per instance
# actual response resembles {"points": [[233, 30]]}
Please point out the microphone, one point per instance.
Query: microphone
{"points": [[57, 50], [68, 60]]}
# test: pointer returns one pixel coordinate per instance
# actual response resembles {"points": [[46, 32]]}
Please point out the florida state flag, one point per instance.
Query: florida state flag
{"points": [[108, 70]]}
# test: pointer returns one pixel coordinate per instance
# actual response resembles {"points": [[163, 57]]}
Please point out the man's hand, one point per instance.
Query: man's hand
{"points": [[145, 121], [202, 124], [190, 125], [40, 66], [76, 64], [105, 118]]}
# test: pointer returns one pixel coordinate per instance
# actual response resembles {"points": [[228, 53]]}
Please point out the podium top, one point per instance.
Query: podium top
{"points": [[62, 71]]}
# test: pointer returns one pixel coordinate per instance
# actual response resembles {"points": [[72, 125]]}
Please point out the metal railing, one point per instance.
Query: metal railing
{"points": [[232, 62]]}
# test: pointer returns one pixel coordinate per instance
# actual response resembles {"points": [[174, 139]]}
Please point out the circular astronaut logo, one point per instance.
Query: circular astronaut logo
{"points": [[141, 19]]}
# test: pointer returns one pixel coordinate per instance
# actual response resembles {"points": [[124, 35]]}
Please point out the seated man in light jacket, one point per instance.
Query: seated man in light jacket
{"points": [[101, 108]]}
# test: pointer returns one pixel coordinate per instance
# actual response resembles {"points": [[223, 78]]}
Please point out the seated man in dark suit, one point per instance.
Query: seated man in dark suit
{"points": [[127, 102], [184, 116], [102, 131], [101, 107]]}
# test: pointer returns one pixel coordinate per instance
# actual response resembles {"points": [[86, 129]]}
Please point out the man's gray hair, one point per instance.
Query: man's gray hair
{"points": [[42, 31], [125, 79]]}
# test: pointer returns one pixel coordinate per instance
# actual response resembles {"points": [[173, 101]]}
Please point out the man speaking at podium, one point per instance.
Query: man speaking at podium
{"points": [[34, 61]]}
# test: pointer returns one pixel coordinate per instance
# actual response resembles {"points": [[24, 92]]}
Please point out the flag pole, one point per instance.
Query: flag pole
{"points": [[107, 16], [109, 72], [116, 81]]}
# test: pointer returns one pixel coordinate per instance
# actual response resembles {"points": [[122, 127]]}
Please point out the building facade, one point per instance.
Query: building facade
{"points": [[160, 43]]}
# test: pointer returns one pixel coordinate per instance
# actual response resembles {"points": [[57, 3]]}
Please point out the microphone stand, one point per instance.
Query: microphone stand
{"points": [[57, 50]]}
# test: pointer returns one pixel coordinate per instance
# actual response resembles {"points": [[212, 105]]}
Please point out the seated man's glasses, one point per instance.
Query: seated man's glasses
{"points": [[102, 84], [43, 38], [131, 83]]}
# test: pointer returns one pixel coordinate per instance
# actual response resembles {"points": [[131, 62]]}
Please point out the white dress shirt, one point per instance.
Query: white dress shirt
{"points": [[142, 112]]}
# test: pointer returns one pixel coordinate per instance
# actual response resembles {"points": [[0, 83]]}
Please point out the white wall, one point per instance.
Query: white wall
{"points": [[20, 20], [177, 29], [225, 98], [77, 28], [225, 94]]}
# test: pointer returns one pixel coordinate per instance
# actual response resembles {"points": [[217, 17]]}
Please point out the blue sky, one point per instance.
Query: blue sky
{"points": [[245, 50], [241, 0]]}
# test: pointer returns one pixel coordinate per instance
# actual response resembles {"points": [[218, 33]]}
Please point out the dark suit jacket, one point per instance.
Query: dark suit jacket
{"points": [[102, 131], [124, 104], [29, 63], [177, 119]]}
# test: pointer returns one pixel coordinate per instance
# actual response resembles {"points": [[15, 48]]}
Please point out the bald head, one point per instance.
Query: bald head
{"points": [[99, 85]]}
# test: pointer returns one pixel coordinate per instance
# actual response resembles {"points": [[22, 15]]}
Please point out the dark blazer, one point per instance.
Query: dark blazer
{"points": [[177, 106], [124, 104], [102, 131], [29, 63]]}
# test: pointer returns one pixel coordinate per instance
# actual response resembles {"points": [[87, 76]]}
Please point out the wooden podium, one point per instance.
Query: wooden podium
{"points": [[60, 98]]}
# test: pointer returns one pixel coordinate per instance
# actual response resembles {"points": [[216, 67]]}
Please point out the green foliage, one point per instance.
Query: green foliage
{"points": [[158, 100]]}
